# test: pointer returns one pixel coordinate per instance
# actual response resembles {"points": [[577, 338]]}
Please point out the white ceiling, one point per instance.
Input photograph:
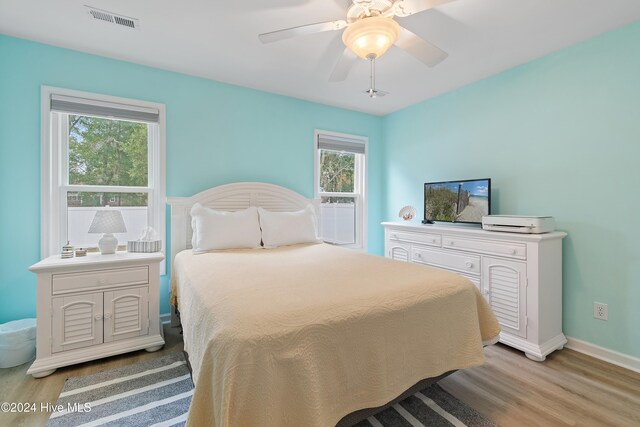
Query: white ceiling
{"points": [[218, 40]]}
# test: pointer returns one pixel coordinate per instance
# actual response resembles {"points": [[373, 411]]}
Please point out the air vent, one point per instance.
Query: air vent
{"points": [[113, 18]]}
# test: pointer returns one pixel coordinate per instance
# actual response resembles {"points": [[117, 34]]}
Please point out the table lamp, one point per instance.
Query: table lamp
{"points": [[108, 222]]}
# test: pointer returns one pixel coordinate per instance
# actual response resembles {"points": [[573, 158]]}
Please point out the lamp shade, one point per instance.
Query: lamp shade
{"points": [[108, 221], [371, 37]]}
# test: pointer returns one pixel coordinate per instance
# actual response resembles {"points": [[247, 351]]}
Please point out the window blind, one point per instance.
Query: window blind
{"points": [[91, 107], [337, 143]]}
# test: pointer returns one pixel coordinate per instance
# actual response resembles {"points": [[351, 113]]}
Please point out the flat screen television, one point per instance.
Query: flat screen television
{"points": [[465, 201]]}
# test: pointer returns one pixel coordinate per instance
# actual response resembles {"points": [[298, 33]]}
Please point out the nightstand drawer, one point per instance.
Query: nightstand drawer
{"points": [[98, 279]]}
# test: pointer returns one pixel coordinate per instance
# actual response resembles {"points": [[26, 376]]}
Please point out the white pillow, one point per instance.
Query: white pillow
{"points": [[214, 230], [288, 228]]}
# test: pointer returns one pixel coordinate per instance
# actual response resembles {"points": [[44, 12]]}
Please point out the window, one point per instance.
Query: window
{"points": [[99, 152], [340, 183]]}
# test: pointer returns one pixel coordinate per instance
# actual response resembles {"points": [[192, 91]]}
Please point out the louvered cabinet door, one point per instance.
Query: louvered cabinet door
{"points": [[126, 313], [399, 251], [77, 321], [504, 282]]}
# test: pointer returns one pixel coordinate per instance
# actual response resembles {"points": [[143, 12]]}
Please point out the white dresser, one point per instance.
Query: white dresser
{"points": [[520, 275], [95, 306]]}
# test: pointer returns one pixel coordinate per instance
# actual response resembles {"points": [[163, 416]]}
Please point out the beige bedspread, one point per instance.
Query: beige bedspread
{"points": [[303, 335]]}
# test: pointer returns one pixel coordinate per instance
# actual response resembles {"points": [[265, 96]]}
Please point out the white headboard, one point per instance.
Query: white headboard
{"points": [[230, 197]]}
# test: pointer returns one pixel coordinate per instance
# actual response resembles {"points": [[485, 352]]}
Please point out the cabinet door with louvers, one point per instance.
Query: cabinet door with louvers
{"points": [[505, 282], [126, 313], [77, 321], [398, 251]]}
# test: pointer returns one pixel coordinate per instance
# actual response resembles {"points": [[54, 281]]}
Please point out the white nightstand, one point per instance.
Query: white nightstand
{"points": [[95, 306]]}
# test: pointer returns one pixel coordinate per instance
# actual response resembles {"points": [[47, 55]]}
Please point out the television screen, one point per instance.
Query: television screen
{"points": [[457, 201]]}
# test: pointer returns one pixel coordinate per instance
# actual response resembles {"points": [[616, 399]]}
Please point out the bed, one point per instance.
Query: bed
{"points": [[312, 334]]}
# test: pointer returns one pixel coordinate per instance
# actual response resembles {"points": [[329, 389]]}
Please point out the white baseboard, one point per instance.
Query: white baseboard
{"points": [[165, 318], [613, 357]]}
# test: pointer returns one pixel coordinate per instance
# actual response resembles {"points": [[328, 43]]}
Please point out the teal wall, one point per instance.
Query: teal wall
{"points": [[559, 136], [216, 134]]}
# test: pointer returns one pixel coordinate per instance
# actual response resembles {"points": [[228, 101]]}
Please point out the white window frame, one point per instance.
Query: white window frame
{"points": [[54, 170], [360, 194]]}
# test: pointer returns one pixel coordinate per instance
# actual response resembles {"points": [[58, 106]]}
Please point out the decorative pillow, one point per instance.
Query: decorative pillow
{"points": [[214, 230], [288, 228]]}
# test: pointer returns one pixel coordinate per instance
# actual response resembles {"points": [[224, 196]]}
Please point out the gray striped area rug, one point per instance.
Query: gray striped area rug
{"points": [[430, 407], [156, 392]]}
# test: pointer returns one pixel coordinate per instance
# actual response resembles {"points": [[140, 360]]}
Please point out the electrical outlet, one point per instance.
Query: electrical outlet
{"points": [[600, 311]]}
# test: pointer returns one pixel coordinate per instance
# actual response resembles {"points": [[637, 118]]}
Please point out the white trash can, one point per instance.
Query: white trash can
{"points": [[17, 342]]}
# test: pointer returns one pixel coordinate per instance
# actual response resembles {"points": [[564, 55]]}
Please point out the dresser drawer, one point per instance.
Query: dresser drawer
{"points": [[97, 279], [469, 264], [511, 250], [421, 238]]}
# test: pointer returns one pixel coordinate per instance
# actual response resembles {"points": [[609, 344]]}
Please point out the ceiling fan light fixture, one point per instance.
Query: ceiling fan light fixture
{"points": [[371, 37]]}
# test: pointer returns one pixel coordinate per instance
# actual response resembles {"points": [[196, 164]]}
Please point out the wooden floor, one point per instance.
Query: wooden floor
{"points": [[17, 386], [569, 388]]}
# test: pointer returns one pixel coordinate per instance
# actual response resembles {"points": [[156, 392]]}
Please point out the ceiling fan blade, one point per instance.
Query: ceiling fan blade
{"points": [[421, 49], [302, 30], [343, 67], [410, 7]]}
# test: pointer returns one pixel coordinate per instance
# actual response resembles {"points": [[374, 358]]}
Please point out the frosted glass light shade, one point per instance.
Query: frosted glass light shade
{"points": [[371, 37]]}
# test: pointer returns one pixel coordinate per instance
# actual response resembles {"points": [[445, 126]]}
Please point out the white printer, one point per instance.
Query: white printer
{"points": [[519, 223]]}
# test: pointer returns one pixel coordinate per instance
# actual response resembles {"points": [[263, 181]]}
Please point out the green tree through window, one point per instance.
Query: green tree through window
{"points": [[107, 152], [337, 175]]}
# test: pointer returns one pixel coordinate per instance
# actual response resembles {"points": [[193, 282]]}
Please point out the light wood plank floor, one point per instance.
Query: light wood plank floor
{"points": [[17, 386], [568, 389]]}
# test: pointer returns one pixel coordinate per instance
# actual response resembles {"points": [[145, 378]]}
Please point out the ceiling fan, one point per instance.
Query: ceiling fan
{"points": [[369, 31]]}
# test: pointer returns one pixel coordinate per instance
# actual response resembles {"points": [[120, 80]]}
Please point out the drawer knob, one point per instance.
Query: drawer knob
{"points": [[107, 315], [394, 236], [469, 264], [98, 317], [102, 281], [418, 255], [513, 251], [451, 242], [433, 240]]}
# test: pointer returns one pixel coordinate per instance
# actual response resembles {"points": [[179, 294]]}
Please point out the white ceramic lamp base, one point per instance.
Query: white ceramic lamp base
{"points": [[108, 244]]}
